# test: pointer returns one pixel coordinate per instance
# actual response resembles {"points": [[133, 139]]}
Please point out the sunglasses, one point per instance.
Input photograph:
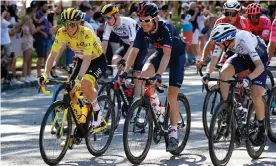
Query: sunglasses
{"points": [[253, 17], [145, 21], [107, 17], [227, 14], [71, 24]]}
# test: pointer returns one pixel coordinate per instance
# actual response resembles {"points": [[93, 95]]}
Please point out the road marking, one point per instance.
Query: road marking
{"points": [[18, 152]]}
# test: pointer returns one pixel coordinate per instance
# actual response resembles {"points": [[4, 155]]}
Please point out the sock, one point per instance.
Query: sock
{"points": [[96, 115], [261, 126], [115, 71], [95, 105], [174, 132]]}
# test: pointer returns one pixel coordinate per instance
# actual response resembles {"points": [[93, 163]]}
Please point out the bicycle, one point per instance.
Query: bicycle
{"points": [[59, 127], [118, 93], [145, 119], [271, 125], [213, 94], [228, 115]]}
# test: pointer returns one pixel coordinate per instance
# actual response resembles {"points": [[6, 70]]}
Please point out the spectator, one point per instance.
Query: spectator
{"points": [[15, 40], [164, 14], [97, 22], [28, 30], [42, 38]]}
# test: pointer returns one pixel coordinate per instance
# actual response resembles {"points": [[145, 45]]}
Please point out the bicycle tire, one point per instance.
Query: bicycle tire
{"points": [[90, 148], [138, 103], [222, 105], [213, 89], [181, 97], [271, 134], [107, 87], [41, 134], [271, 78], [254, 154]]}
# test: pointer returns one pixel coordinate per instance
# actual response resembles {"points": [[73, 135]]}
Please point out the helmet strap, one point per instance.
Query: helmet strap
{"points": [[155, 27], [226, 46], [114, 19]]}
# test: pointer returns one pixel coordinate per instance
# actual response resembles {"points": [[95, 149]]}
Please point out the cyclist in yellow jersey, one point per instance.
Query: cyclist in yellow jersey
{"points": [[91, 61]]}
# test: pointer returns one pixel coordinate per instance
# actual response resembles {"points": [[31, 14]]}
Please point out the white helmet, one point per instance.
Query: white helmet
{"points": [[223, 32], [232, 5]]}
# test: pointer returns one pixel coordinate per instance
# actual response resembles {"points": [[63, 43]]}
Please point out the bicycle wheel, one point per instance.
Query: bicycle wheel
{"points": [[58, 93], [53, 127], [138, 122], [252, 126], [269, 84], [97, 142], [271, 120], [219, 132], [107, 89], [211, 99], [184, 123]]}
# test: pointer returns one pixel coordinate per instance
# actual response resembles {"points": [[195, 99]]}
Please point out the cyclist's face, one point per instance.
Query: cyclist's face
{"points": [[110, 19], [231, 16], [254, 18], [146, 23], [71, 27]]}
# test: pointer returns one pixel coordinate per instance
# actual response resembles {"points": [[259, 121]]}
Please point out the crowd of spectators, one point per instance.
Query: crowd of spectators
{"points": [[35, 31]]}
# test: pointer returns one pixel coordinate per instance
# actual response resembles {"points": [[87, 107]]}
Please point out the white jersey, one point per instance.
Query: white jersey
{"points": [[245, 44], [126, 31]]}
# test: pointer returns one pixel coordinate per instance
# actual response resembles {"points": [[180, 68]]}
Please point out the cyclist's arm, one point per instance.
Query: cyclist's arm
{"points": [[207, 49], [165, 60], [106, 35], [131, 58], [271, 50], [50, 61], [132, 35], [211, 66], [128, 51]]}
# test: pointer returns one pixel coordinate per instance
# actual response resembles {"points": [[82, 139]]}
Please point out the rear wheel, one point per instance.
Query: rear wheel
{"points": [[271, 120]]}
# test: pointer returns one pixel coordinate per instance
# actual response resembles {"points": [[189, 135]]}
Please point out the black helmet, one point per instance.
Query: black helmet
{"points": [[148, 9], [71, 14]]}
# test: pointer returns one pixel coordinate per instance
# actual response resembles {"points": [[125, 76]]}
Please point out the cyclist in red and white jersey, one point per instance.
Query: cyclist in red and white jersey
{"points": [[271, 49], [259, 25], [231, 16]]}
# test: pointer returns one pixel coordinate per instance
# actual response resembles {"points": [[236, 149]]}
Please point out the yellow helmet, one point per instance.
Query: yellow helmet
{"points": [[71, 14], [109, 9]]}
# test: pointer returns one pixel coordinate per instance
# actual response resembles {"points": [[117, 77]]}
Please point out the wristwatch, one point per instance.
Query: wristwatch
{"points": [[79, 78]]}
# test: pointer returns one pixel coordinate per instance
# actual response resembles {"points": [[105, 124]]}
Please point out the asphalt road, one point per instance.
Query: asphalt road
{"points": [[22, 111]]}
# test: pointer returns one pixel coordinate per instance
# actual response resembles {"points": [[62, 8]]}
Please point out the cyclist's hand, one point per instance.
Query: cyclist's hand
{"points": [[157, 79], [77, 85], [42, 80], [122, 76], [246, 82], [199, 64], [121, 64], [206, 78]]}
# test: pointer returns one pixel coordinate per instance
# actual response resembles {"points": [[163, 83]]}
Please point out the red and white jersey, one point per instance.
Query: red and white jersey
{"points": [[242, 22], [273, 32]]}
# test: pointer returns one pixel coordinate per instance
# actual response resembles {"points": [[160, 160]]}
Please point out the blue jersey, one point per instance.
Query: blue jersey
{"points": [[167, 35]]}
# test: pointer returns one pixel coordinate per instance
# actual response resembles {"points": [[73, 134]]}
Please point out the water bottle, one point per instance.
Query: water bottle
{"points": [[161, 112], [84, 111]]}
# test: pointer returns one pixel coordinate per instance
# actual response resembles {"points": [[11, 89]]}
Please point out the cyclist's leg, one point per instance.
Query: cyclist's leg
{"points": [[96, 69], [137, 68]]}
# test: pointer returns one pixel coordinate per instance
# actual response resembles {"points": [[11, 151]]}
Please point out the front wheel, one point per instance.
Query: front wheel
{"points": [[138, 123], [222, 130], [53, 132], [271, 120]]}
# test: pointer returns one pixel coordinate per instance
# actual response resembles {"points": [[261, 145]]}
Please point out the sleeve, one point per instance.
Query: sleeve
{"points": [[245, 24], [273, 32], [89, 48], [107, 31], [132, 31], [59, 41], [139, 40], [266, 30], [246, 42], [167, 37], [217, 51], [5, 24]]}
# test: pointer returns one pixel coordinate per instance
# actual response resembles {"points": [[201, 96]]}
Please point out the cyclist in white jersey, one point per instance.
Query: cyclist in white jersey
{"points": [[250, 53], [125, 28]]}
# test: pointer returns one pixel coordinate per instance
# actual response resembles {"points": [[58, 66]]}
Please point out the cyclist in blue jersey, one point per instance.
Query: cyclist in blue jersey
{"points": [[170, 52]]}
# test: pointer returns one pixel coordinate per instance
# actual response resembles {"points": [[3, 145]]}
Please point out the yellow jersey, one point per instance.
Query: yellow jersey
{"points": [[84, 43]]}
